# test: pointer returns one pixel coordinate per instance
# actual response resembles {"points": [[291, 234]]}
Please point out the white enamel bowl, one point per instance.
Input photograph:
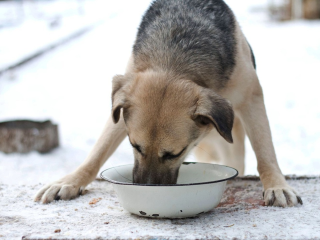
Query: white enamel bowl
{"points": [[199, 189]]}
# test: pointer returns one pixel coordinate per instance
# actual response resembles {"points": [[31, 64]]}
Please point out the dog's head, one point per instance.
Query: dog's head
{"points": [[165, 119]]}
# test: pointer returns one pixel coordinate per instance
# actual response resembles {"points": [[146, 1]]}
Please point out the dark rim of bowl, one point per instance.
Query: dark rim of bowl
{"points": [[170, 185]]}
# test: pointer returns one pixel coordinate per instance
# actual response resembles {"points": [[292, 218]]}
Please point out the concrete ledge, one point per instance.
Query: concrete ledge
{"points": [[240, 215]]}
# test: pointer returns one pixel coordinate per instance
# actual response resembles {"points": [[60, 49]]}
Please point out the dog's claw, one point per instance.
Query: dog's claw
{"points": [[289, 202], [299, 200], [57, 198], [263, 194], [271, 202]]}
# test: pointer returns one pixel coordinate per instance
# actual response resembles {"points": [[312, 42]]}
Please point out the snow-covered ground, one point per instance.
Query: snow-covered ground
{"points": [[30, 27], [72, 84], [239, 216]]}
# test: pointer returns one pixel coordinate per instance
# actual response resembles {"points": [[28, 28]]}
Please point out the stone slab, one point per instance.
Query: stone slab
{"points": [[240, 215]]}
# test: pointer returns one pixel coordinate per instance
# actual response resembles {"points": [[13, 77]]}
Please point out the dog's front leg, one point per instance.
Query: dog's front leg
{"points": [[72, 185], [277, 192]]}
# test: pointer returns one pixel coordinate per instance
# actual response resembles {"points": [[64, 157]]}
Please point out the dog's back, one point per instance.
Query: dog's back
{"points": [[192, 38]]}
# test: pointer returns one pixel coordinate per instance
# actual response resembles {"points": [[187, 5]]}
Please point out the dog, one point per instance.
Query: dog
{"points": [[190, 81]]}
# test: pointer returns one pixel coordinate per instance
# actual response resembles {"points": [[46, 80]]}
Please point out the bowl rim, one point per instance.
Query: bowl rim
{"points": [[170, 185]]}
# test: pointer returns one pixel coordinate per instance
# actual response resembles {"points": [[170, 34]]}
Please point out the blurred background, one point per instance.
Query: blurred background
{"points": [[57, 60]]}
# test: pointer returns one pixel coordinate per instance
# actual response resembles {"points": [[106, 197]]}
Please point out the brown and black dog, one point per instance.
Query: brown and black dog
{"points": [[190, 81]]}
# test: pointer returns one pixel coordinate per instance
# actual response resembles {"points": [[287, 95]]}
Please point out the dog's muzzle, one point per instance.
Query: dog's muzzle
{"points": [[154, 176]]}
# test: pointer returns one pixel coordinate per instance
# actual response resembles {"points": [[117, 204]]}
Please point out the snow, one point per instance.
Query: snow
{"points": [[240, 216], [72, 84], [40, 25]]}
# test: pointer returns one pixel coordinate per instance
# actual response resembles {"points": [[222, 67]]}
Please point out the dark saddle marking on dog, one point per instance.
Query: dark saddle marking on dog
{"points": [[191, 37]]}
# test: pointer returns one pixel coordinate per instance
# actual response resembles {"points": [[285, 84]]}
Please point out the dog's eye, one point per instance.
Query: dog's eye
{"points": [[138, 148], [169, 156]]}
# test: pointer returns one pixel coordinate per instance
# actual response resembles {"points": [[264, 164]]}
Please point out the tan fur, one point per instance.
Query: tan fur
{"points": [[149, 123], [214, 149], [155, 131], [245, 93]]}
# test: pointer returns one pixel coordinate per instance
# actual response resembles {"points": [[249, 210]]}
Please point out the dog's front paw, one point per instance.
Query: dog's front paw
{"points": [[65, 189], [281, 197]]}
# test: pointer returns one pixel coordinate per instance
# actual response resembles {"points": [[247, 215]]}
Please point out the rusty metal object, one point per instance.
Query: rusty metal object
{"points": [[23, 136]]}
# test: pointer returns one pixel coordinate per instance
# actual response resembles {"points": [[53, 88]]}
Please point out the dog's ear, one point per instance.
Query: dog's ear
{"points": [[213, 109], [119, 84]]}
